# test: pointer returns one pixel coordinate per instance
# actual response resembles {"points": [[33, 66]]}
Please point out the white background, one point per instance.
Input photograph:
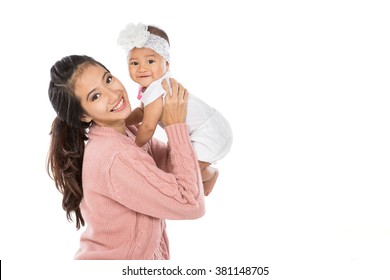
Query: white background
{"points": [[305, 86]]}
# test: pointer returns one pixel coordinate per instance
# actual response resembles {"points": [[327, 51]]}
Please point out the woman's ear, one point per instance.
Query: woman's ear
{"points": [[86, 118]]}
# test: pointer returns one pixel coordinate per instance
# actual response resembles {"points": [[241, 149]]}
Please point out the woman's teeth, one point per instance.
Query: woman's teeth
{"points": [[118, 105]]}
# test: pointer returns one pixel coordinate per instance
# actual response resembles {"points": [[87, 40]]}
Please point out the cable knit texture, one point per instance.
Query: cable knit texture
{"points": [[129, 192]]}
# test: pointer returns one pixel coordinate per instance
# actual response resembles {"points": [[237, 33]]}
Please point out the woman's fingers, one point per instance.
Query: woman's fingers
{"points": [[182, 94], [172, 90], [166, 87], [175, 108], [177, 89], [174, 87], [185, 95]]}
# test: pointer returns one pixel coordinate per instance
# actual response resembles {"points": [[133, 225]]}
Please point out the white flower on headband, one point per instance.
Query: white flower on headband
{"points": [[138, 36], [134, 36]]}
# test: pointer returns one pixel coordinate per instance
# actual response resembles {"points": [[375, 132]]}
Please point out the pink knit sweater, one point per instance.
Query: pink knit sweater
{"points": [[129, 191]]}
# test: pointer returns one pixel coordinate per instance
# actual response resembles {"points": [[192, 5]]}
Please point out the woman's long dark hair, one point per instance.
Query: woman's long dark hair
{"points": [[68, 133]]}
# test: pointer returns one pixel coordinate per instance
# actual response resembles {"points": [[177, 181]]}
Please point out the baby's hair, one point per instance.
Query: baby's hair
{"points": [[159, 32]]}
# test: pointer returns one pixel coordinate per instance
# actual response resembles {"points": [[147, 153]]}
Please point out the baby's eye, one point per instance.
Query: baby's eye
{"points": [[95, 96], [134, 63], [150, 61]]}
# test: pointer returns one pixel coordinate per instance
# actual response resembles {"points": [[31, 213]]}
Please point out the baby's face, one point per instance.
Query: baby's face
{"points": [[146, 66]]}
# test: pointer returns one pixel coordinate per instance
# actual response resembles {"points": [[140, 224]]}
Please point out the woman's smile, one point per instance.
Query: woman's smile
{"points": [[119, 106]]}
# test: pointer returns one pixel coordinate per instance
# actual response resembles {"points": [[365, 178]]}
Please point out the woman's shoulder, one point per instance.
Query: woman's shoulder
{"points": [[105, 144]]}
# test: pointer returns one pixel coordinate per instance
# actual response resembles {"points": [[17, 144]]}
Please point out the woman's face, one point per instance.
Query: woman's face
{"points": [[146, 66], [103, 97]]}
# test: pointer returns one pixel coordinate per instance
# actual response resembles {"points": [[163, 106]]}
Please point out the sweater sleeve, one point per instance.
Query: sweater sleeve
{"points": [[158, 150], [139, 184], [161, 154]]}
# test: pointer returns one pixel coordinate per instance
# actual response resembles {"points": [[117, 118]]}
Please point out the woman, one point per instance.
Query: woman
{"points": [[123, 192]]}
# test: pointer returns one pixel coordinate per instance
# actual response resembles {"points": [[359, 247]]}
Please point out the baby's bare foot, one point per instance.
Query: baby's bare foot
{"points": [[209, 185]]}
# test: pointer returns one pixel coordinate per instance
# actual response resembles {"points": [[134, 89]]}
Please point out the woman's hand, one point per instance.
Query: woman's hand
{"points": [[175, 108]]}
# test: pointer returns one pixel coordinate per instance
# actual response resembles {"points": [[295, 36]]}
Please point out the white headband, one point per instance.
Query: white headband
{"points": [[138, 36]]}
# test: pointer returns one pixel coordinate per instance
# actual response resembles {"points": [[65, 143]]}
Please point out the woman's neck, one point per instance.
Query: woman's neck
{"points": [[120, 128]]}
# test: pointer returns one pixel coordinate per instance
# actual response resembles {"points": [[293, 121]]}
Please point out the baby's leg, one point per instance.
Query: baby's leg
{"points": [[209, 176]]}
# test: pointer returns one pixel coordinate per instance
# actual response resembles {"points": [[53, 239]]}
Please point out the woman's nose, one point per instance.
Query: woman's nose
{"points": [[113, 95]]}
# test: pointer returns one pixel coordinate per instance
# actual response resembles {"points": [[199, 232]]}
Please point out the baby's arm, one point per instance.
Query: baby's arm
{"points": [[135, 117], [152, 115]]}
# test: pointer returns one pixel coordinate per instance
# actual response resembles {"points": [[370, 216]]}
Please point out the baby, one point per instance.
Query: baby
{"points": [[148, 58]]}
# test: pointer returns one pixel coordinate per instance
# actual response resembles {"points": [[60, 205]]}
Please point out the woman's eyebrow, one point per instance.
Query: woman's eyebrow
{"points": [[104, 75]]}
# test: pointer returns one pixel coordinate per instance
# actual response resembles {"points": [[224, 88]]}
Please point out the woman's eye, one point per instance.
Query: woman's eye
{"points": [[95, 96], [109, 79]]}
